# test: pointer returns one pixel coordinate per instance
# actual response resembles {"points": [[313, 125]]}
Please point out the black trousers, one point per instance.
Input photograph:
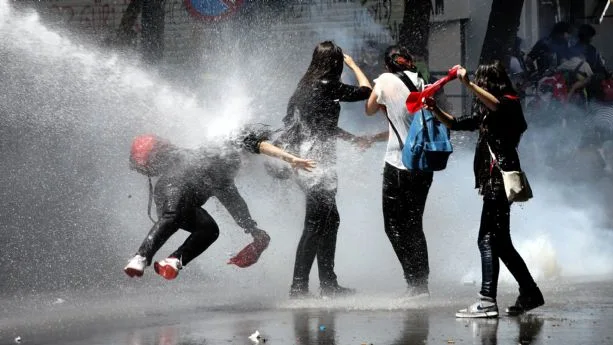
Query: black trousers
{"points": [[495, 243], [178, 208], [404, 199], [318, 239]]}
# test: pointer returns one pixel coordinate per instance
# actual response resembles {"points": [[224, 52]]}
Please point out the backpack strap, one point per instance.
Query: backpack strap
{"points": [[407, 81]]}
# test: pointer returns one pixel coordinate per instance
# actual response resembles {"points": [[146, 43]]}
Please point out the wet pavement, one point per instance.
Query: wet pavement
{"points": [[575, 313]]}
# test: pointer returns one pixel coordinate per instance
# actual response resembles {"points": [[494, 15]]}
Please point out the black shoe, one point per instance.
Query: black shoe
{"points": [[526, 301], [336, 291], [299, 292], [417, 291]]}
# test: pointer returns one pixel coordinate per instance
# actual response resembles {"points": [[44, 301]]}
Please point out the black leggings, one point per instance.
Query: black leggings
{"points": [[318, 239], [495, 243], [404, 199], [177, 209]]}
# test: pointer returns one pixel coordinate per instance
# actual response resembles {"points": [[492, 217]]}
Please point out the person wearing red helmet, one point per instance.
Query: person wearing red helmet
{"points": [[187, 179]]}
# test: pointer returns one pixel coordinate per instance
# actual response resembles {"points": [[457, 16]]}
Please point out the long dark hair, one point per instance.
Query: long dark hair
{"points": [[398, 59], [327, 63], [494, 79]]}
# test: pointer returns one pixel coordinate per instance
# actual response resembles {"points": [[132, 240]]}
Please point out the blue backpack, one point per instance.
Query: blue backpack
{"points": [[428, 145]]}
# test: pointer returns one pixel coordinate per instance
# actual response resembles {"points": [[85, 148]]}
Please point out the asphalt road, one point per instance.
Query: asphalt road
{"points": [[578, 312]]}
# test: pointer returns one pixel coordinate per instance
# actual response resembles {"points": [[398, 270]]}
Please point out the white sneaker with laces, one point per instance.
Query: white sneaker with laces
{"points": [[168, 268], [136, 266], [486, 307]]}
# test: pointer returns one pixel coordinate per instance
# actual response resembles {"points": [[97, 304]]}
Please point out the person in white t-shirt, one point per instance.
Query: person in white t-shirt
{"points": [[404, 191]]}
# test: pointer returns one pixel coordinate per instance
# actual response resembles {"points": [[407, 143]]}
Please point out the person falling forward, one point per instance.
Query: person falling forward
{"points": [[188, 178]]}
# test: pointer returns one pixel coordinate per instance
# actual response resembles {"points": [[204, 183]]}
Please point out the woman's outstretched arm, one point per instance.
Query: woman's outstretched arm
{"points": [[446, 118], [296, 162]]}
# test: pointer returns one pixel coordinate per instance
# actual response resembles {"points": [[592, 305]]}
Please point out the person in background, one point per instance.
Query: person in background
{"points": [[548, 52], [498, 116], [586, 50]]}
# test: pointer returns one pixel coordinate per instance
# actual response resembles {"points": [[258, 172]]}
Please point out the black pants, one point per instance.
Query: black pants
{"points": [[495, 243], [177, 207], [404, 199], [318, 239]]}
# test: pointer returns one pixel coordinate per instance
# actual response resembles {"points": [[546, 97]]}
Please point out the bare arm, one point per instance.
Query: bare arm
{"points": [[372, 107], [383, 136], [487, 98], [344, 135], [359, 75], [296, 162]]}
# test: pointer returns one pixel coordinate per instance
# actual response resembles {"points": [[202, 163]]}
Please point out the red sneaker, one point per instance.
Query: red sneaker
{"points": [[168, 268]]}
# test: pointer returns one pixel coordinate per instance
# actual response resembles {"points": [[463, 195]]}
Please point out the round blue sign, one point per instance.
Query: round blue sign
{"points": [[212, 9]]}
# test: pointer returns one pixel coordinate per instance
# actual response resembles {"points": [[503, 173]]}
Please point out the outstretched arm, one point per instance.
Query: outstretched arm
{"points": [[271, 150], [383, 136], [447, 119]]}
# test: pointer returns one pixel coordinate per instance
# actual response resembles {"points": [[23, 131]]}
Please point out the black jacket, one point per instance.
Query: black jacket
{"points": [[502, 130], [199, 174], [313, 111]]}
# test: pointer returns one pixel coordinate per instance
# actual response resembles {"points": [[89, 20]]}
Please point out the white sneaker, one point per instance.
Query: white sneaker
{"points": [[168, 268], [484, 308], [136, 266]]}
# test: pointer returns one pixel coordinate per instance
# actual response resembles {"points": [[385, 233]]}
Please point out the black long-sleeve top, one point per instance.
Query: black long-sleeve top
{"points": [[502, 130], [210, 171], [316, 108]]}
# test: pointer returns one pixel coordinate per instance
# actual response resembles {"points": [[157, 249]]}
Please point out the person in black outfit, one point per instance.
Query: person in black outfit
{"points": [[188, 179], [311, 129], [586, 50], [549, 52], [499, 118]]}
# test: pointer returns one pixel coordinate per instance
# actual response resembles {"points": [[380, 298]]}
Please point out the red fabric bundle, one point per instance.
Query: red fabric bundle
{"points": [[251, 253], [415, 100]]}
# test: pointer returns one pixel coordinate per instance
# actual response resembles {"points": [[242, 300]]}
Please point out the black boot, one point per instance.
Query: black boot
{"points": [[335, 290], [299, 290], [527, 300]]}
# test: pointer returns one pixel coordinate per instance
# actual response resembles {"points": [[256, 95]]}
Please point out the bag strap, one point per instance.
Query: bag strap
{"points": [[150, 199], [492, 154], [395, 131], [409, 84], [407, 81]]}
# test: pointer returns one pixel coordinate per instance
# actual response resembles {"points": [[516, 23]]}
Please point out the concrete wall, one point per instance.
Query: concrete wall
{"points": [[350, 22]]}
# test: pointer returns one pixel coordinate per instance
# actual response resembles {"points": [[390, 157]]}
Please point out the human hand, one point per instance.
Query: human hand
{"points": [[349, 61], [462, 75], [453, 72], [304, 164], [430, 103], [260, 235]]}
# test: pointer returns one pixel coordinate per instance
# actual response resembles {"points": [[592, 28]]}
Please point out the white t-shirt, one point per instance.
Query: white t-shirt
{"points": [[392, 93]]}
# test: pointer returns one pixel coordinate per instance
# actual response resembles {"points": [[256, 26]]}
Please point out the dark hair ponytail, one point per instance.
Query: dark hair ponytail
{"points": [[398, 59]]}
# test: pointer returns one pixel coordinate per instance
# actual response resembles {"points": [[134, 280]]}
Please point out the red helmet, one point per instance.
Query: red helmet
{"points": [[148, 154]]}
